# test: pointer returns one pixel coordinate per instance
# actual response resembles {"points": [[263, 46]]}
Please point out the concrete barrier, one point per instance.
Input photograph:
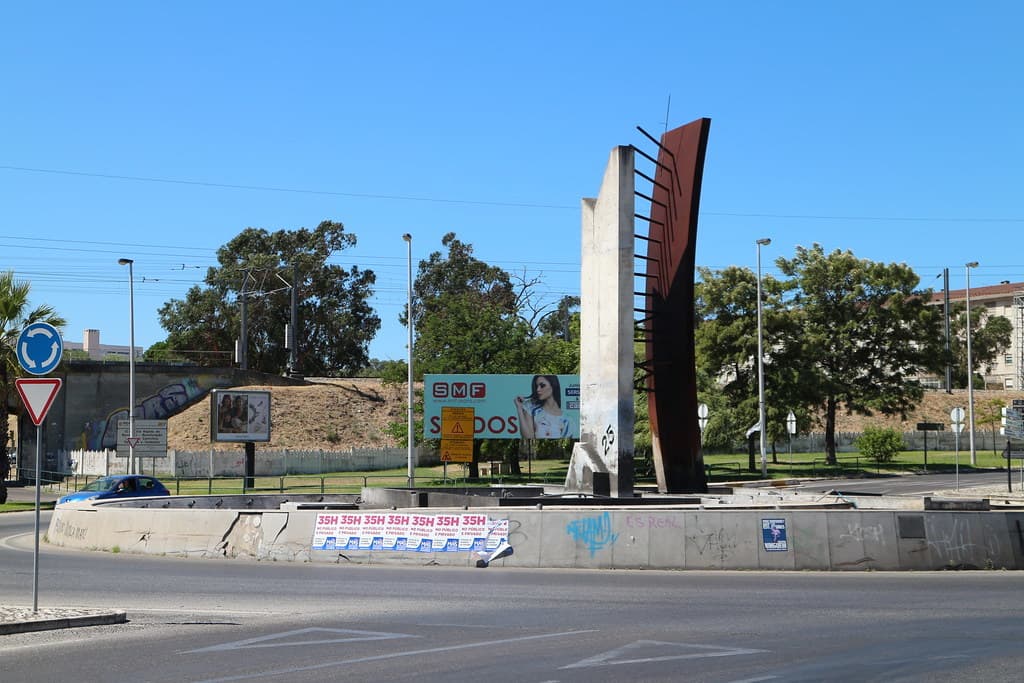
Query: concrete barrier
{"points": [[588, 538]]}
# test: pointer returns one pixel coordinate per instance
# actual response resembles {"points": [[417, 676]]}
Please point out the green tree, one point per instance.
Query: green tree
{"points": [[990, 413], [880, 445], [161, 352], [863, 333], [726, 352], [336, 322], [472, 317], [465, 315], [15, 314], [991, 336]]}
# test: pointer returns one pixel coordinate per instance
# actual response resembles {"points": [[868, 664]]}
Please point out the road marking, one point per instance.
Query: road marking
{"points": [[6, 542], [613, 657], [393, 655], [756, 680], [342, 635]]}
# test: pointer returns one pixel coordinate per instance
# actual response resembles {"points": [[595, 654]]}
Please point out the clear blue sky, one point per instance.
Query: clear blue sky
{"points": [[159, 131]]}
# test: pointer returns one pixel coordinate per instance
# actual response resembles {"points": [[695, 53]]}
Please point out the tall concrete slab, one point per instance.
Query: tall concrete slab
{"points": [[602, 460], [809, 540]]}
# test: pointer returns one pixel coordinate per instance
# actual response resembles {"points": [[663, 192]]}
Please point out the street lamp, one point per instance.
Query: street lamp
{"points": [[131, 363], [408, 314], [764, 241], [970, 365]]}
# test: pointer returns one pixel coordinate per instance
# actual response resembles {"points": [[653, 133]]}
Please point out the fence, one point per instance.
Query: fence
{"points": [[984, 439], [269, 463]]}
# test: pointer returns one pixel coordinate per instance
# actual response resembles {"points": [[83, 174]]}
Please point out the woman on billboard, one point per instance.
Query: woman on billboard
{"points": [[540, 413]]}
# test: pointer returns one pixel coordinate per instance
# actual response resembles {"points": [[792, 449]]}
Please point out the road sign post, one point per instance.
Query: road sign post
{"points": [[956, 421], [39, 350], [928, 427], [702, 419]]}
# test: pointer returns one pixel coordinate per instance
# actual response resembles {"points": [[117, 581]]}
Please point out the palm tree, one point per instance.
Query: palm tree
{"points": [[14, 316]]}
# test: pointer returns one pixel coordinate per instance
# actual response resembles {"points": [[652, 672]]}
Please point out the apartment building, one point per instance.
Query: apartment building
{"points": [[97, 351], [1005, 299]]}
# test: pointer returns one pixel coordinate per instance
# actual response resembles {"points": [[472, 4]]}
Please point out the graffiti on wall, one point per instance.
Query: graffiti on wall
{"points": [[102, 433], [595, 533]]}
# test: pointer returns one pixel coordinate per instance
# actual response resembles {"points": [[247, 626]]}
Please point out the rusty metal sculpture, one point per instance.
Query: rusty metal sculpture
{"points": [[667, 328]]}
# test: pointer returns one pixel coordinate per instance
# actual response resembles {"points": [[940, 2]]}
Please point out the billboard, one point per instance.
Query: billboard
{"points": [[239, 416], [506, 406]]}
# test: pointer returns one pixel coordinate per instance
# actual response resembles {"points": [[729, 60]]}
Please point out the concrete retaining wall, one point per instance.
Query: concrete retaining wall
{"points": [[590, 538]]}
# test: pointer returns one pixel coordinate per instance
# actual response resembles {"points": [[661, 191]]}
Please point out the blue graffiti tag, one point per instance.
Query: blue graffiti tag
{"points": [[594, 532]]}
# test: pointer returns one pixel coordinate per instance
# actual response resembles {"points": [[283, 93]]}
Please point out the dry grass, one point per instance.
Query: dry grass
{"points": [[333, 414]]}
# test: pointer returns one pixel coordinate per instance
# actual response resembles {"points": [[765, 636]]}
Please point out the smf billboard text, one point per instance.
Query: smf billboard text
{"points": [[506, 406]]}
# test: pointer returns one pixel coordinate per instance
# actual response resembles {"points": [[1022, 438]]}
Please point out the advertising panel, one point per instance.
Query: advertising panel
{"points": [[239, 416], [423, 533], [506, 406]]}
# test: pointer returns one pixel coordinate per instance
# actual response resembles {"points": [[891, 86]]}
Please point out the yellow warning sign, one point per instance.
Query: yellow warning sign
{"points": [[456, 450], [457, 423]]}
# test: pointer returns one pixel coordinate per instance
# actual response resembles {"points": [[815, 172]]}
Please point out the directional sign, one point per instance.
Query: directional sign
{"points": [[150, 438], [1014, 426], [39, 348], [37, 395]]}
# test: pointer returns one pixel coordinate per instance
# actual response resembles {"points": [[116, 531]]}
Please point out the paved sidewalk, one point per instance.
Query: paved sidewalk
{"points": [[23, 620], [27, 494]]}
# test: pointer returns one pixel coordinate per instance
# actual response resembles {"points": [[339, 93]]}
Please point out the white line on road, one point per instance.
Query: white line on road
{"points": [[7, 541], [340, 635], [393, 655], [615, 656]]}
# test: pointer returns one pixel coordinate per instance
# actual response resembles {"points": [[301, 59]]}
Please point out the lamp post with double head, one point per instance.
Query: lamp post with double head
{"points": [[761, 417], [131, 362], [408, 314], [970, 366]]}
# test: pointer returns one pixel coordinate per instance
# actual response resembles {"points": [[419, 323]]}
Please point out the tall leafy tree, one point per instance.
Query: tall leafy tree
{"points": [[991, 336], [726, 351], [472, 317], [863, 334], [15, 314], [336, 322], [465, 314]]}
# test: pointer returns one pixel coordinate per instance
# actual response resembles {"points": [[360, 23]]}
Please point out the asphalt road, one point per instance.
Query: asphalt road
{"points": [[229, 620], [913, 485]]}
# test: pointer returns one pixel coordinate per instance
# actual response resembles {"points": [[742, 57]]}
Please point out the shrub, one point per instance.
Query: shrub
{"points": [[881, 445]]}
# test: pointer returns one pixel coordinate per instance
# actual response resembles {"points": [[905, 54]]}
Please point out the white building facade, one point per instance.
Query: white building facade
{"points": [[91, 345], [1006, 299]]}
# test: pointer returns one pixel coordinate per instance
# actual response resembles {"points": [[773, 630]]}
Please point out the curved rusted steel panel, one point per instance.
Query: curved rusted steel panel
{"points": [[669, 322]]}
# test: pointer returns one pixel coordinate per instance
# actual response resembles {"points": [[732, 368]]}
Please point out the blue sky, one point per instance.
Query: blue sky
{"points": [[890, 129]]}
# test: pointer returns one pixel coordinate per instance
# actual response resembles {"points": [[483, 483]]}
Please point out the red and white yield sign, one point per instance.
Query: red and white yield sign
{"points": [[37, 394]]}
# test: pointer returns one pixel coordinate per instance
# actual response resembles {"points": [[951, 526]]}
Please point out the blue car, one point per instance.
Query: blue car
{"points": [[117, 487]]}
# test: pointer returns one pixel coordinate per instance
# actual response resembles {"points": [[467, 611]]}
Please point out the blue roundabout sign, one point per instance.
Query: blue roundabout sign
{"points": [[40, 348]]}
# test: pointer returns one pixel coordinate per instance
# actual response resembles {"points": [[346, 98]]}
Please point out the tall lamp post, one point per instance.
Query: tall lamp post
{"points": [[131, 363], [410, 439], [970, 365], [764, 241]]}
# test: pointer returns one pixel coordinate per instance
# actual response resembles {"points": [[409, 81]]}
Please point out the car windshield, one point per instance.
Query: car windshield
{"points": [[101, 484]]}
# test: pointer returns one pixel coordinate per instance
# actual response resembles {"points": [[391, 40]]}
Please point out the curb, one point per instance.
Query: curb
{"points": [[53, 623]]}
